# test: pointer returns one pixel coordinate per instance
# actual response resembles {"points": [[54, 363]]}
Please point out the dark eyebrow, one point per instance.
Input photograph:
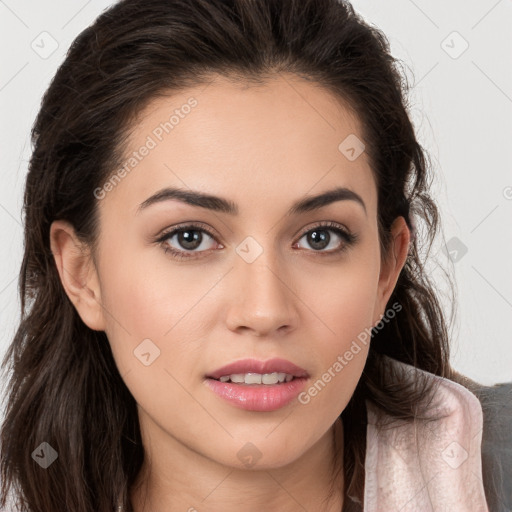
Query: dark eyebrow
{"points": [[222, 205]]}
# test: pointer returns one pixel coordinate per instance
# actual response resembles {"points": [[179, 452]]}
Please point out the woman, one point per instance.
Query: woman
{"points": [[224, 301]]}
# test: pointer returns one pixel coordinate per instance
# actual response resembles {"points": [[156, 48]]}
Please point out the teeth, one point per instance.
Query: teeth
{"points": [[252, 378], [270, 378], [257, 378]]}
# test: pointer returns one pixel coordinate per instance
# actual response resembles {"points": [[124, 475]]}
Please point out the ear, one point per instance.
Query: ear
{"points": [[77, 273], [392, 264]]}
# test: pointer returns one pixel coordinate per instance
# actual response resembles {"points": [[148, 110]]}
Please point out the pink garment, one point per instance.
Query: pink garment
{"points": [[427, 466]]}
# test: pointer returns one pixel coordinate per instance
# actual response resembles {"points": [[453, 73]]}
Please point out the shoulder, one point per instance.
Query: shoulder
{"points": [[431, 462], [495, 403]]}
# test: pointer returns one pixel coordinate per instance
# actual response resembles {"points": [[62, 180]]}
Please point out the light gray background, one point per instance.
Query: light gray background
{"points": [[461, 106]]}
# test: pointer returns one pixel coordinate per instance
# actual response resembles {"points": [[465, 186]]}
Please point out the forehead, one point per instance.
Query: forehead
{"points": [[282, 138]]}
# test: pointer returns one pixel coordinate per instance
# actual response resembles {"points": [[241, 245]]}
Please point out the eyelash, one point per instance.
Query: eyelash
{"points": [[349, 239]]}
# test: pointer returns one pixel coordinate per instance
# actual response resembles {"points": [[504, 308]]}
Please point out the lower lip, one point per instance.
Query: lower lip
{"points": [[257, 397]]}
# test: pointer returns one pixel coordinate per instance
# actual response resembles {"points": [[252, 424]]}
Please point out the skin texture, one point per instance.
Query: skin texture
{"points": [[262, 147]]}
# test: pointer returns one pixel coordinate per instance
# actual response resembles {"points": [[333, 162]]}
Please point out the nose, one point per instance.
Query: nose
{"points": [[262, 300]]}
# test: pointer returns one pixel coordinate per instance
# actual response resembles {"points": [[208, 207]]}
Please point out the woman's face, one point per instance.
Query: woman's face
{"points": [[259, 282]]}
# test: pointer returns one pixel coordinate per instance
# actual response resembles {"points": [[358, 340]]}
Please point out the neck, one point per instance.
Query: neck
{"points": [[188, 481]]}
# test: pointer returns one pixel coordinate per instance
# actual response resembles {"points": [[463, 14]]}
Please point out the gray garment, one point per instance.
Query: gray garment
{"points": [[497, 445], [496, 404]]}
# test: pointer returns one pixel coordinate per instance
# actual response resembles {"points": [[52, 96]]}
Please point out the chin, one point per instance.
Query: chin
{"points": [[264, 453]]}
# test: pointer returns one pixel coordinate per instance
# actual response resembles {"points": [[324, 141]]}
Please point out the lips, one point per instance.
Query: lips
{"points": [[251, 395], [261, 367]]}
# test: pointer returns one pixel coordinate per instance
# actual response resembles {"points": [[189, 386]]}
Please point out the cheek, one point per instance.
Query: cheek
{"points": [[155, 332], [343, 298], [342, 329], [154, 306], [148, 295]]}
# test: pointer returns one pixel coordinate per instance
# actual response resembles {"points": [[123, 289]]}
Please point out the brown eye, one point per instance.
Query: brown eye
{"points": [[318, 239], [187, 241], [328, 238]]}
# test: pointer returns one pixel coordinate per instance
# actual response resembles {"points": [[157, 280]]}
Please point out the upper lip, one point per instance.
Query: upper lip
{"points": [[255, 366]]}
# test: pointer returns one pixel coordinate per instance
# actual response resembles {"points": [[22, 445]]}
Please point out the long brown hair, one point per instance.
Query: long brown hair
{"points": [[64, 387]]}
